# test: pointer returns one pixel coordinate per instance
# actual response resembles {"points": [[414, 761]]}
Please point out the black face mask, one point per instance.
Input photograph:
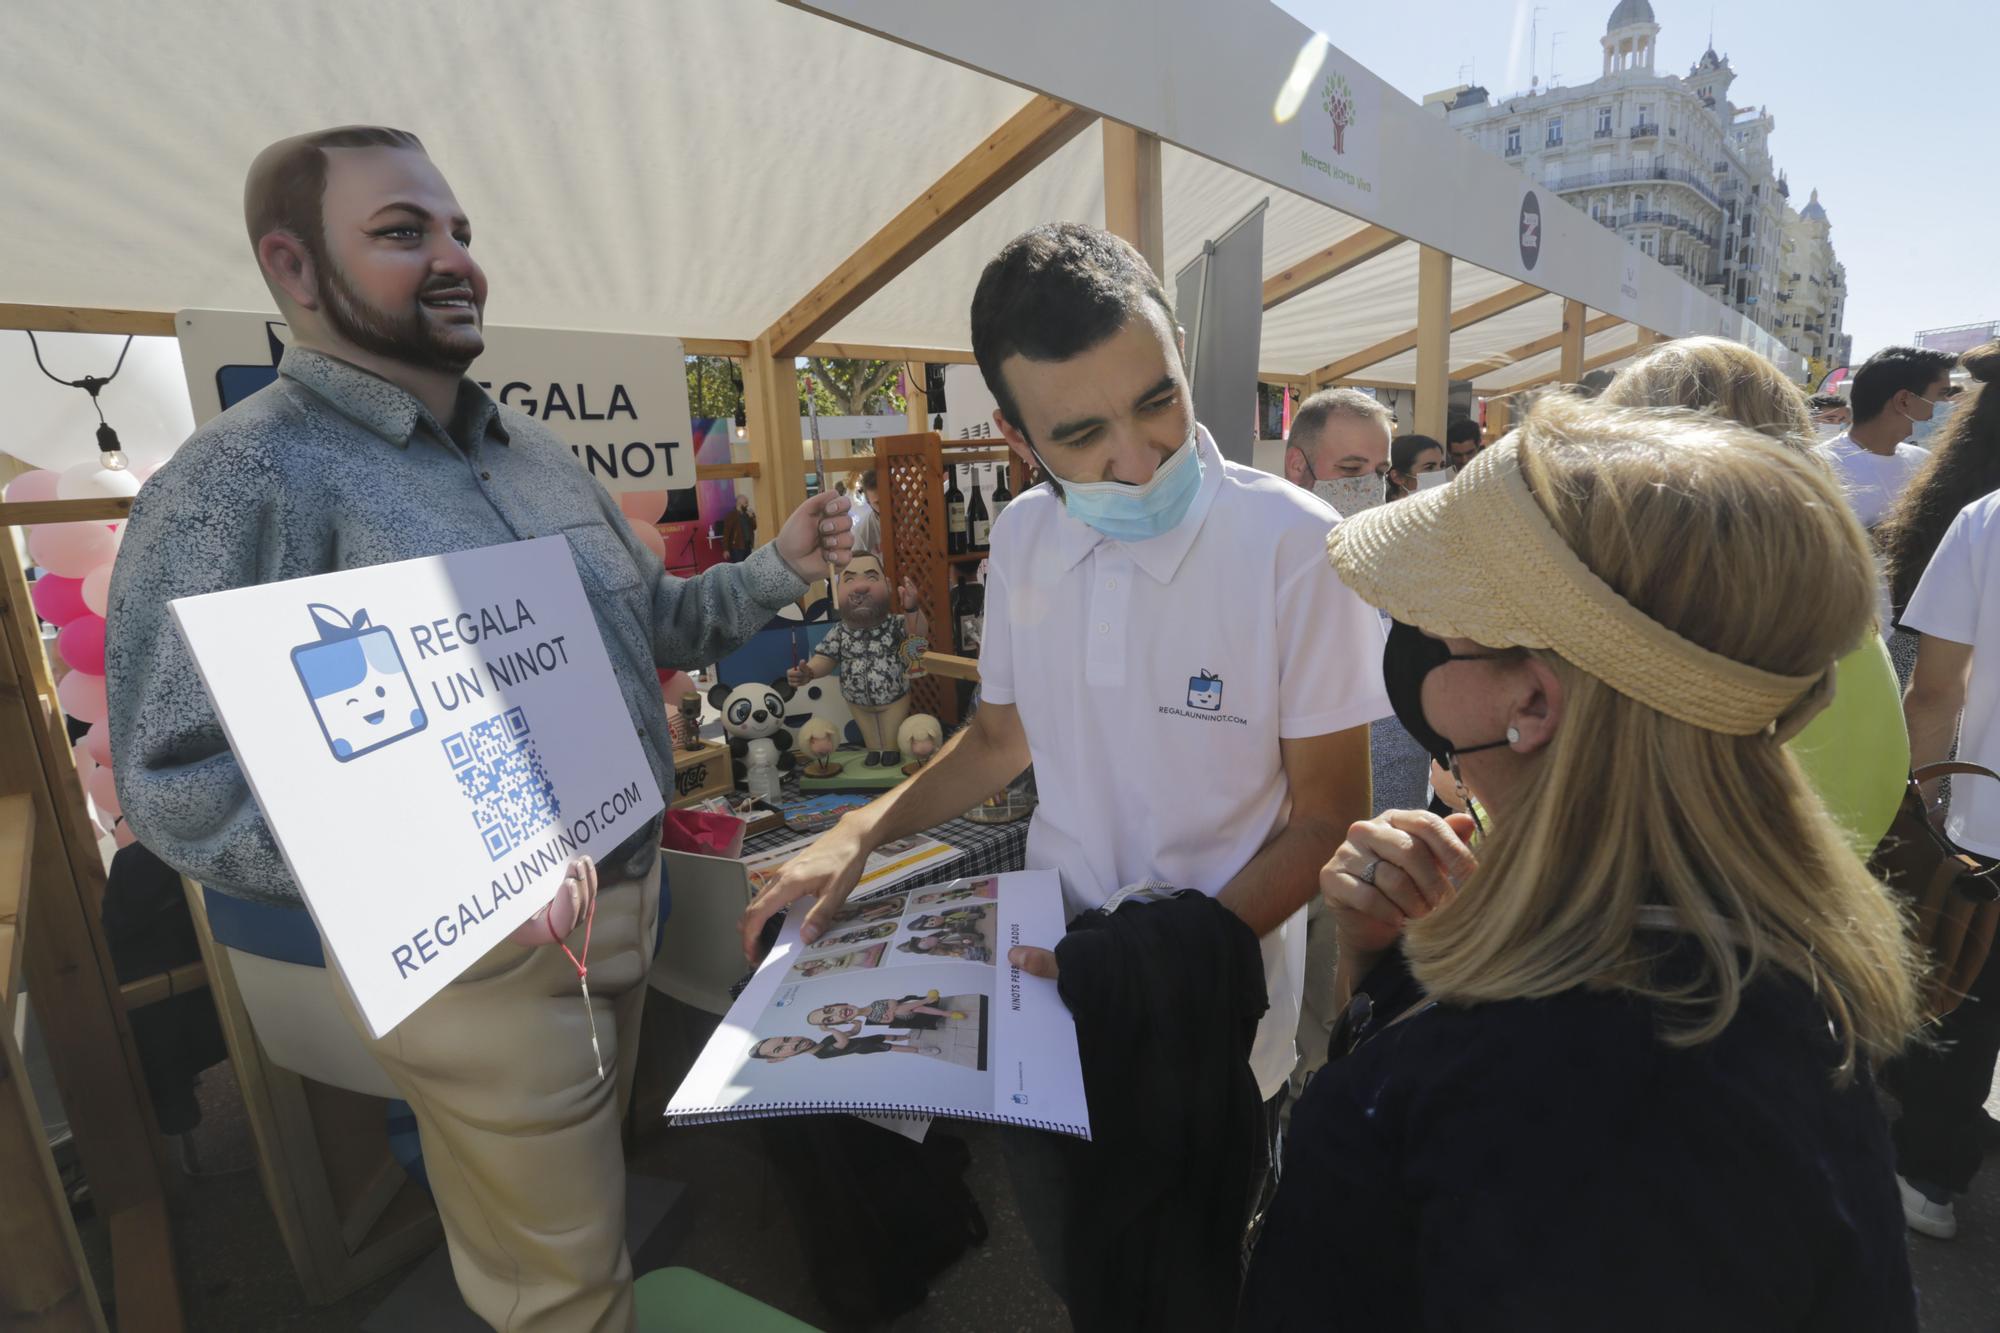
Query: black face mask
{"points": [[1408, 657]]}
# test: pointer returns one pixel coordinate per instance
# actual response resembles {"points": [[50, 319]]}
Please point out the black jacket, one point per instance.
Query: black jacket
{"points": [[1166, 997]]}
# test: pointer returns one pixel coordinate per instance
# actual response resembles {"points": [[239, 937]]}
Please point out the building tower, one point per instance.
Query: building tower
{"points": [[1629, 37]]}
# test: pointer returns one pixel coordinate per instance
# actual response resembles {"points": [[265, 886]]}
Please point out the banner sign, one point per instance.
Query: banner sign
{"points": [[618, 400], [431, 742]]}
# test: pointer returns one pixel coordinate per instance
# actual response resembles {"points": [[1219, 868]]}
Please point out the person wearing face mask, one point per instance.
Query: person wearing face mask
{"points": [[1412, 457], [1610, 1066], [1163, 644], [1830, 415], [1339, 445], [1898, 393]]}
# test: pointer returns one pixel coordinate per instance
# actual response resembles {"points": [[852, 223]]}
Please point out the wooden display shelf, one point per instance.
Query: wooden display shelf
{"points": [[969, 558]]}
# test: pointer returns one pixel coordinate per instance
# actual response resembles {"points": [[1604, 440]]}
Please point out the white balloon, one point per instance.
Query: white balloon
{"points": [[91, 480], [96, 588]]}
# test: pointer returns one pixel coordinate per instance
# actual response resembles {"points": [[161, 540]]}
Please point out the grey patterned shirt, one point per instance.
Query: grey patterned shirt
{"points": [[333, 468]]}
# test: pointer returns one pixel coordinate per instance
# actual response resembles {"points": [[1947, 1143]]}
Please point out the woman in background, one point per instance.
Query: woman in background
{"points": [[1410, 457]]}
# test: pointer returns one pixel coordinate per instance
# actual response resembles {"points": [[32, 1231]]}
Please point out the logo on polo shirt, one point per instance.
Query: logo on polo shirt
{"points": [[1204, 701]]}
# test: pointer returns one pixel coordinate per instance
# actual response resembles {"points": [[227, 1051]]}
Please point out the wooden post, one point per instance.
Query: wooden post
{"points": [[1133, 205], [1499, 418], [1572, 343], [75, 989], [917, 402], [771, 409], [1433, 340]]}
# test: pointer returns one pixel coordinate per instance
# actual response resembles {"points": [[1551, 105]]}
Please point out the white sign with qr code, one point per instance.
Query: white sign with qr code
{"points": [[430, 742]]}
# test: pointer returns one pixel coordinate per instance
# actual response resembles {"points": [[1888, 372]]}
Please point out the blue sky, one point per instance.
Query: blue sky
{"points": [[1886, 110]]}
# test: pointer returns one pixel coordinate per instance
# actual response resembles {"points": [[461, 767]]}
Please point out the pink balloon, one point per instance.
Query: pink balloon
{"points": [[122, 835], [650, 535], [71, 549], [643, 506], [97, 743], [103, 792], [97, 588], [82, 697], [58, 600], [91, 480], [86, 763], [81, 643], [30, 487]]}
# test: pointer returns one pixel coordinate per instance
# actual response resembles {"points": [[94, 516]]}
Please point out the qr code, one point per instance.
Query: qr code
{"points": [[502, 777]]}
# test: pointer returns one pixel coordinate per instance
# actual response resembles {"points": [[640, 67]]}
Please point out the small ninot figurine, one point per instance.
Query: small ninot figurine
{"points": [[866, 648], [760, 749]]}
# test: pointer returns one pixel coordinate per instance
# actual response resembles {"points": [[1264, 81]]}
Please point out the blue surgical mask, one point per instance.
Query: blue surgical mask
{"points": [[1135, 513], [1922, 430]]}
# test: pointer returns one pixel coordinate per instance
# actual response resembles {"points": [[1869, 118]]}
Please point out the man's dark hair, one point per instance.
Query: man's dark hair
{"points": [[1052, 293], [1825, 402], [868, 480], [1892, 369], [286, 187], [1462, 429]]}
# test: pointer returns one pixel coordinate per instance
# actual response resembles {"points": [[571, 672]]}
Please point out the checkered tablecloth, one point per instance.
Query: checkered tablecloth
{"points": [[983, 849]]}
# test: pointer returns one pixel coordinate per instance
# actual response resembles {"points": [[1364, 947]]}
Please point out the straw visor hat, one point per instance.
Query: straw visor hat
{"points": [[1532, 591]]}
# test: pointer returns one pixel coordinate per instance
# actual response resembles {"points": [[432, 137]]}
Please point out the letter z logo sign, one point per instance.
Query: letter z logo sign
{"points": [[1531, 230]]}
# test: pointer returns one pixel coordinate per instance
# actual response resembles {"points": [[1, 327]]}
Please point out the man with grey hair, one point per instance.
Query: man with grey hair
{"points": [[1338, 433]]}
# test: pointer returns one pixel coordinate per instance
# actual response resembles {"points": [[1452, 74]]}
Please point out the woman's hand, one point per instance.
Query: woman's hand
{"points": [[1393, 869]]}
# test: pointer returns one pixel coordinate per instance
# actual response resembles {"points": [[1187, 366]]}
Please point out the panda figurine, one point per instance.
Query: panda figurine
{"points": [[760, 749]]}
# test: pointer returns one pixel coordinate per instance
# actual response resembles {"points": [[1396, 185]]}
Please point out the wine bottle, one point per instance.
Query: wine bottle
{"points": [[968, 611], [955, 535], [975, 516], [1001, 495]]}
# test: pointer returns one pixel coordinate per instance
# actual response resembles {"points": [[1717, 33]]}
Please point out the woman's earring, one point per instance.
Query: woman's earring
{"points": [[1513, 735]]}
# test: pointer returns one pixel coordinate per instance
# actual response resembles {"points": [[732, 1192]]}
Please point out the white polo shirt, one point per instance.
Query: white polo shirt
{"points": [[1952, 602], [1155, 680]]}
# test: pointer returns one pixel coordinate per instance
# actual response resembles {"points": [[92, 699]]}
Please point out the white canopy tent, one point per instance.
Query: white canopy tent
{"points": [[696, 168]]}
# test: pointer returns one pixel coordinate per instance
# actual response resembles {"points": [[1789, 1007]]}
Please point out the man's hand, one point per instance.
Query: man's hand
{"points": [[816, 539], [800, 673], [1035, 962], [909, 594], [828, 870], [571, 904]]}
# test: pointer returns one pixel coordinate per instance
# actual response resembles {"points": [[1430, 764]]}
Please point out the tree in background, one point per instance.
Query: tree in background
{"points": [[838, 387]]}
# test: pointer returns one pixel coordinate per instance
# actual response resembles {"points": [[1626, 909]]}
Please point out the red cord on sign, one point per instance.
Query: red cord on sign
{"points": [[583, 980]]}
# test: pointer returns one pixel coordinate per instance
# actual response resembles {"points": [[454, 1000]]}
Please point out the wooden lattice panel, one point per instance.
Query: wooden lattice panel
{"points": [[909, 473]]}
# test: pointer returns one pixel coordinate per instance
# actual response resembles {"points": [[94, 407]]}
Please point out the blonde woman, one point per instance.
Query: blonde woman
{"points": [[1856, 754], [1615, 1071]]}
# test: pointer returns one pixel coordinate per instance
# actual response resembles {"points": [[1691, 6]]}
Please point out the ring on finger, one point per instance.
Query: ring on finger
{"points": [[1367, 873]]}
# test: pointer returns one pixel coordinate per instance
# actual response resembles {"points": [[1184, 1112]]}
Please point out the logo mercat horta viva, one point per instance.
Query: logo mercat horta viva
{"points": [[1338, 99]]}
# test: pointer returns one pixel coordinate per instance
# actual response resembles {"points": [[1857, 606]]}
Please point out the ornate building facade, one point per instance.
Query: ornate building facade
{"points": [[1681, 173]]}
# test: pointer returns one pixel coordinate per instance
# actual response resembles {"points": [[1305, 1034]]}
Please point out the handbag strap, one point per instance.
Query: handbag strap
{"points": [[1952, 768]]}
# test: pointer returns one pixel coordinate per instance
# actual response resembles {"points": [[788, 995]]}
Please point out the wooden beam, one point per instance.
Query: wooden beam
{"points": [[1547, 343], [952, 667], [81, 319], [872, 352], [1463, 318], [726, 471], [1598, 362], [1331, 262], [1574, 317], [735, 348], [1433, 341], [1133, 205], [163, 986], [777, 446], [25, 512], [1029, 138]]}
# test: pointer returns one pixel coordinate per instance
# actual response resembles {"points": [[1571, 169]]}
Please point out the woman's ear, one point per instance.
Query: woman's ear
{"points": [[1537, 712]]}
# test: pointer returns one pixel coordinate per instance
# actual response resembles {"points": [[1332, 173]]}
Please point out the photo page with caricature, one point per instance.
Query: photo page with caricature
{"points": [[906, 1005]]}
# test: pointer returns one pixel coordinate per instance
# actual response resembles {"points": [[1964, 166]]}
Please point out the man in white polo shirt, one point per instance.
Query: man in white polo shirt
{"points": [[1162, 641]]}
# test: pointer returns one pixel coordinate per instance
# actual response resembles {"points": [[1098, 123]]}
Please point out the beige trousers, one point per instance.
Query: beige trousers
{"points": [[879, 725], [520, 1136]]}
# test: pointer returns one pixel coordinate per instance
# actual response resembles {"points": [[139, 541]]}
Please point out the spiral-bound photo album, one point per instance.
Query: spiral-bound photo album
{"points": [[906, 1006]]}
